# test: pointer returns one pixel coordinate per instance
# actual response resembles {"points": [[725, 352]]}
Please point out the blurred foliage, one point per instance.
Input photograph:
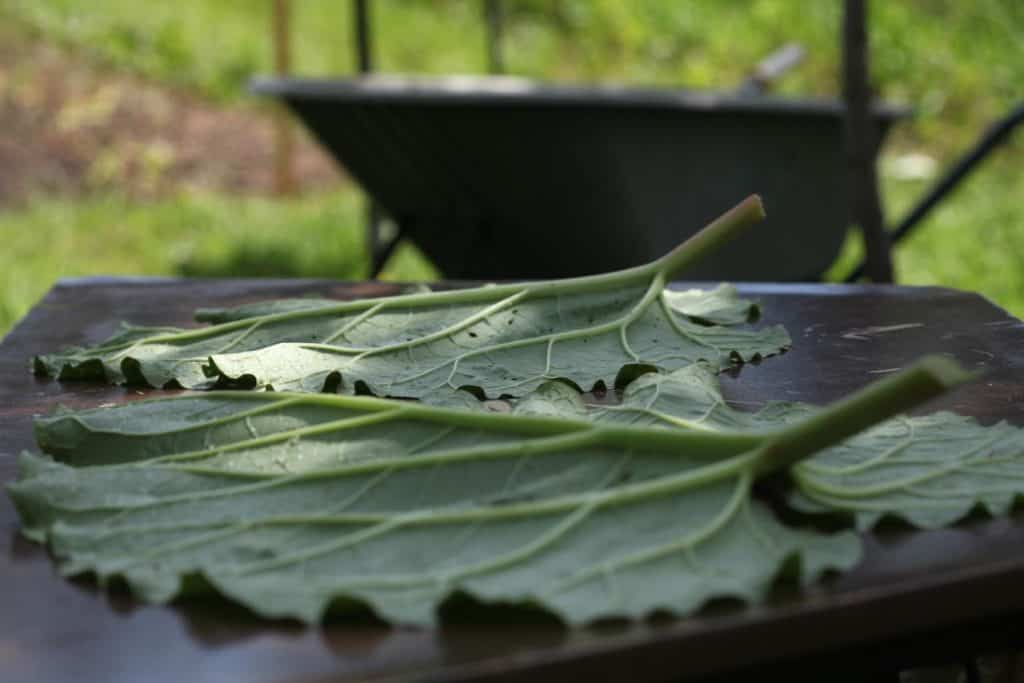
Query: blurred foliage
{"points": [[959, 64], [974, 240]]}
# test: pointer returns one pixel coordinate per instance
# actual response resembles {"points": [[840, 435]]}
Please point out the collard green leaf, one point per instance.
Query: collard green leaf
{"points": [[261, 309], [929, 471], [719, 306], [289, 503], [502, 340]]}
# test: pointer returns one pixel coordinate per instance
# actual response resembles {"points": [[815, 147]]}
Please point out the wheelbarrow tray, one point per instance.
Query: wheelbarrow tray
{"points": [[498, 177]]}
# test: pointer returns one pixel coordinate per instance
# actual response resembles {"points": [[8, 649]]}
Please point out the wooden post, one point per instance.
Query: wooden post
{"points": [[862, 144], [493, 19], [284, 177]]}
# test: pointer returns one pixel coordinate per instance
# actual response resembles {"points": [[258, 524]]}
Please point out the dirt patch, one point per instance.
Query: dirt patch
{"points": [[71, 126]]}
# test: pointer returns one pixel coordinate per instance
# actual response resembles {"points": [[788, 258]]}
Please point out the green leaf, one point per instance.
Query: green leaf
{"points": [[929, 471], [501, 340], [290, 503], [691, 398], [262, 309], [719, 306]]}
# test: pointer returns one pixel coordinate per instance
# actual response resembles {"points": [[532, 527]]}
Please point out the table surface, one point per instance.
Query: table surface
{"points": [[911, 583]]}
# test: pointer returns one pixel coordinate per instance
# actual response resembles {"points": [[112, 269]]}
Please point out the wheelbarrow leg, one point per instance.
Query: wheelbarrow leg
{"points": [[373, 238], [861, 143], [994, 136], [379, 246]]}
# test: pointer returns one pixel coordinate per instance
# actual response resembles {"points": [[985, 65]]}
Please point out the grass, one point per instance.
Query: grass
{"points": [[974, 240], [960, 64], [196, 235]]}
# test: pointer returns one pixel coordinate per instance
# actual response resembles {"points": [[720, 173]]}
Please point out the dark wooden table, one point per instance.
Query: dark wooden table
{"points": [[918, 597]]}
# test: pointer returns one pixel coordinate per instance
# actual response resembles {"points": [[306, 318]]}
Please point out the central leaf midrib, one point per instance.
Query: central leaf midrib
{"points": [[579, 506], [621, 323], [524, 292]]}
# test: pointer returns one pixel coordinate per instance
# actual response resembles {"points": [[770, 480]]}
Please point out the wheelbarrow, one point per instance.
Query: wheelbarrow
{"points": [[499, 177]]}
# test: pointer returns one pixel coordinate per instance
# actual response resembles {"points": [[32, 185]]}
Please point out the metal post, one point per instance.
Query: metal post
{"points": [[364, 65], [364, 56], [493, 17], [862, 143]]}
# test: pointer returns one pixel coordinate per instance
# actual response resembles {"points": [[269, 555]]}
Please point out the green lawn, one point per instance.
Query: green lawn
{"points": [[960, 64], [203, 236], [974, 240]]}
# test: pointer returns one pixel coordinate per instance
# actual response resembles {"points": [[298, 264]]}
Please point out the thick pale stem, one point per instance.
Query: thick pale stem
{"points": [[929, 377], [715, 235]]}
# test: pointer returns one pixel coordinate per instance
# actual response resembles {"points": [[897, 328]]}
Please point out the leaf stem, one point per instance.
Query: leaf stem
{"points": [[716, 234], [925, 379], [770, 451], [713, 236]]}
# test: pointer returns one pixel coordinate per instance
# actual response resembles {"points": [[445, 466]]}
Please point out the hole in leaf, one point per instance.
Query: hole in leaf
{"points": [[630, 372], [461, 608], [332, 383]]}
